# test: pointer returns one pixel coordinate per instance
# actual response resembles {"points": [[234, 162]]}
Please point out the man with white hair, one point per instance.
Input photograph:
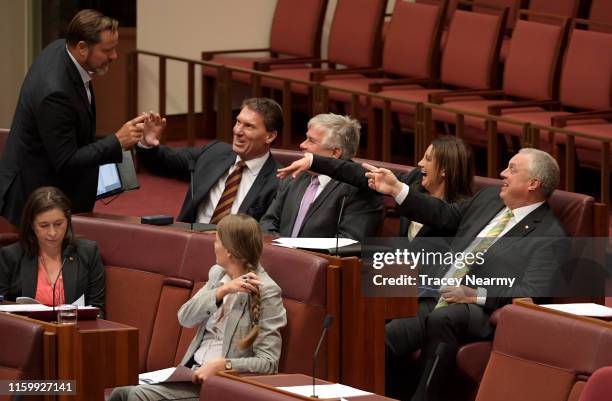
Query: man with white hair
{"points": [[313, 205], [520, 237]]}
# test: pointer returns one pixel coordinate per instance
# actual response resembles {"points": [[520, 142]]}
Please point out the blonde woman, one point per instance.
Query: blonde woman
{"points": [[239, 313]]}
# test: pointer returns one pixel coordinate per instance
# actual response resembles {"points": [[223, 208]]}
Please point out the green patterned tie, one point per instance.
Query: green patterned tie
{"points": [[484, 244]]}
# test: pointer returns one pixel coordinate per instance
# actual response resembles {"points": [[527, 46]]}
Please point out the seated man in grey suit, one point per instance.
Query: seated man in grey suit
{"points": [[227, 179], [310, 205]]}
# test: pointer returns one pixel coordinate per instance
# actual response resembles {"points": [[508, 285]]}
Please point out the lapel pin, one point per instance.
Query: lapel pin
{"points": [[526, 227], [71, 258]]}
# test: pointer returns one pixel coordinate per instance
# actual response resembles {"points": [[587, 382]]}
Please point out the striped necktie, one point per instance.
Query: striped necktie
{"points": [[224, 206], [481, 246]]}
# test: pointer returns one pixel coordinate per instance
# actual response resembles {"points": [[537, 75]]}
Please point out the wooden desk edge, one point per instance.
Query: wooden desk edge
{"points": [[232, 375], [587, 319]]}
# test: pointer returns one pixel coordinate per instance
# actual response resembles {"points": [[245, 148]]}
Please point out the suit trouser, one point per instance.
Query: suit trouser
{"points": [[452, 325], [157, 392]]}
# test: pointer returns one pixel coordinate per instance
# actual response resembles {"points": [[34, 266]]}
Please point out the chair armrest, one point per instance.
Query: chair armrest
{"points": [[439, 97], [265, 65], [497, 109], [378, 86], [561, 121], [319, 76], [208, 55]]}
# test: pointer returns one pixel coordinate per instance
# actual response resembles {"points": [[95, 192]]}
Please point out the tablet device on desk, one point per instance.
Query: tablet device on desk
{"points": [[114, 178]]}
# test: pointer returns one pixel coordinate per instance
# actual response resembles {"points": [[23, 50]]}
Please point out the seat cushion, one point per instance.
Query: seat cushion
{"points": [[241, 62], [508, 378], [412, 93], [300, 73]]}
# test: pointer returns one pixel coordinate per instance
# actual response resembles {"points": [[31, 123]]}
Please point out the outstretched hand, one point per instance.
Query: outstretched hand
{"points": [[382, 180], [296, 167], [154, 126]]}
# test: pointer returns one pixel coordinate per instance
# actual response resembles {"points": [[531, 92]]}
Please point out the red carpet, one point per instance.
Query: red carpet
{"points": [[157, 195]]}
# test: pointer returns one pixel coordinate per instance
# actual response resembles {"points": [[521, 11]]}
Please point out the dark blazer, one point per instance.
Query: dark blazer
{"points": [[83, 273], [534, 262], [52, 137], [354, 174], [211, 162], [361, 217]]}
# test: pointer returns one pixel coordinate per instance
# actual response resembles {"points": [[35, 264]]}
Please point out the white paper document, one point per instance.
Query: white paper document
{"points": [[177, 374], [313, 243], [583, 309], [26, 300], [326, 391], [157, 376], [14, 308], [80, 302]]}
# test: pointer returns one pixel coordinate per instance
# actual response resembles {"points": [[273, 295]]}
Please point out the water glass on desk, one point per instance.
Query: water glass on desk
{"points": [[67, 314]]}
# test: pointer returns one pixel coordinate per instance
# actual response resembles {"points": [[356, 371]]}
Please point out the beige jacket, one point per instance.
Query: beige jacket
{"points": [[263, 355]]}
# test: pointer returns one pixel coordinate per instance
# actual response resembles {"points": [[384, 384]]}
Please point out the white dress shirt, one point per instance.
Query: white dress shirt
{"points": [[323, 181], [211, 346], [85, 76], [249, 174]]}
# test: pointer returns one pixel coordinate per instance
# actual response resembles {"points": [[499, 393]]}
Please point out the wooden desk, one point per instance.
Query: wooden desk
{"points": [[98, 354], [363, 321], [230, 386]]}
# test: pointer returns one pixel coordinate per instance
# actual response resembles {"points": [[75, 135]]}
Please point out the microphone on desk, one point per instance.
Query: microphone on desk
{"points": [[55, 283], [338, 222], [191, 167], [441, 349], [326, 324]]}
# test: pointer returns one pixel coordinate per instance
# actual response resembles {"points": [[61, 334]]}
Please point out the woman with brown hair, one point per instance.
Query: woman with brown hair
{"points": [[239, 313], [48, 257]]}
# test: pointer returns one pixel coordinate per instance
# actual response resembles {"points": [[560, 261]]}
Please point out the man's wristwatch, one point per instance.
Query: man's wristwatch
{"points": [[228, 364]]}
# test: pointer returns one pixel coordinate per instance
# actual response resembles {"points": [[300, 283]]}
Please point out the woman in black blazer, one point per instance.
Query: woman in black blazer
{"points": [[48, 263]]}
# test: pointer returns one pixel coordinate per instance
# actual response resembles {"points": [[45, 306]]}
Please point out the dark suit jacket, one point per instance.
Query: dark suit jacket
{"points": [[361, 217], [532, 251], [211, 162], [354, 174], [83, 273], [52, 137]]}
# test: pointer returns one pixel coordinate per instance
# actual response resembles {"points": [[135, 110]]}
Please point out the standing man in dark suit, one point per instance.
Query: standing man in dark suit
{"points": [[52, 138], [236, 178], [310, 205], [520, 237]]}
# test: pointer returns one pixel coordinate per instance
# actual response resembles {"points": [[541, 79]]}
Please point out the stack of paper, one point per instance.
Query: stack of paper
{"points": [[583, 309], [326, 391], [313, 243]]}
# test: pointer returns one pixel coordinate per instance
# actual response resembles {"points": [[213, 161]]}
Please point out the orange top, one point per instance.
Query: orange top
{"points": [[44, 288]]}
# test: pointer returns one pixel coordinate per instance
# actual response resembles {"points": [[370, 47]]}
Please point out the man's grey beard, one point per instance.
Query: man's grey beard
{"points": [[98, 72]]}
